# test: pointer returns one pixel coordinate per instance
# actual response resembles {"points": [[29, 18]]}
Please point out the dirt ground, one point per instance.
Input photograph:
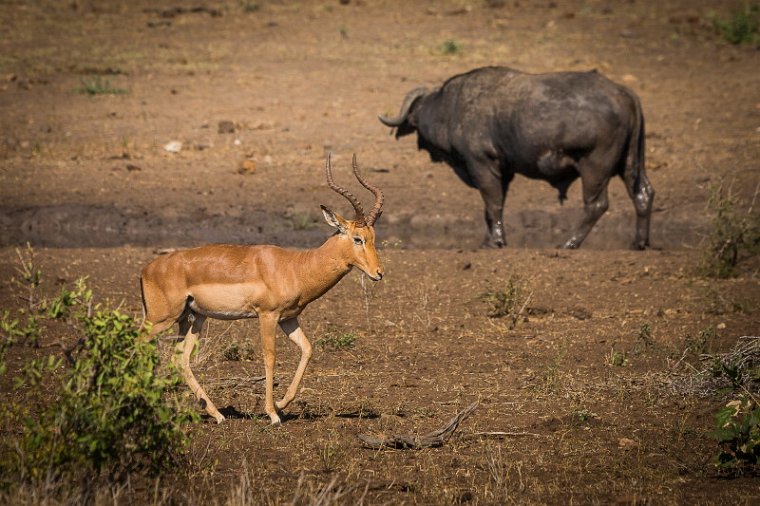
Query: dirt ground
{"points": [[86, 179]]}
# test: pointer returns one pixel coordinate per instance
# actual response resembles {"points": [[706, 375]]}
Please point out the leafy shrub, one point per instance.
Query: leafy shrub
{"points": [[738, 432], [108, 412], [742, 27], [111, 414]]}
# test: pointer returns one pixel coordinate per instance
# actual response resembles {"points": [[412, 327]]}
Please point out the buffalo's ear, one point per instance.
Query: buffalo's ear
{"points": [[334, 219]]}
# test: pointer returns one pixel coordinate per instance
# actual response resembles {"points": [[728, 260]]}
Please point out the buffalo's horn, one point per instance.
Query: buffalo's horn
{"points": [[405, 106], [360, 220], [379, 198]]}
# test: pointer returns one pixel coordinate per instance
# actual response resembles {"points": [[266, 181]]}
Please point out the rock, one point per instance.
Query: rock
{"points": [[226, 127], [173, 146], [247, 167]]}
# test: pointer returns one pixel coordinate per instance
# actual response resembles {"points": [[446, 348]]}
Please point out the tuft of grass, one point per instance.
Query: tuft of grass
{"points": [[742, 26], [96, 85], [450, 47], [249, 6], [700, 344], [337, 341], [644, 336], [508, 302], [617, 358], [735, 234]]}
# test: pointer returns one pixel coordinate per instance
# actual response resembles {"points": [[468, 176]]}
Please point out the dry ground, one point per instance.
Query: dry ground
{"points": [[87, 181]]}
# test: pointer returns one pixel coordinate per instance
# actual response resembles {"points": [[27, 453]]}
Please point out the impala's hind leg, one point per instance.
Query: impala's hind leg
{"points": [[191, 326], [293, 329]]}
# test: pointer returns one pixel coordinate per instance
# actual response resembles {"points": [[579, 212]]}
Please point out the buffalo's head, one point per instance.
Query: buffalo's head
{"points": [[405, 122]]}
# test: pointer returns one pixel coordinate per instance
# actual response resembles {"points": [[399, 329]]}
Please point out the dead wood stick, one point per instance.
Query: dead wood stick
{"points": [[506, 434], [429, 440]]}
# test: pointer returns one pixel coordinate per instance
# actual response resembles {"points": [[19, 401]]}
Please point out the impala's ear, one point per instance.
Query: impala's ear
{"points": [[334, 220]]}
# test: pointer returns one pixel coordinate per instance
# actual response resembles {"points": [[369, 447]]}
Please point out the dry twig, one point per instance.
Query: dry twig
{"points": [[429, 440]]}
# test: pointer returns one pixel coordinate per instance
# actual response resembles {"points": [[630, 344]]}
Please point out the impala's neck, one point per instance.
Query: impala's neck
{"points": [[321, 268]]}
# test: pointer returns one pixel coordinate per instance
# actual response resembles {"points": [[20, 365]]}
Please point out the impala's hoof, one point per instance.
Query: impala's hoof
{"points": [[219, 418], [275, 420]]}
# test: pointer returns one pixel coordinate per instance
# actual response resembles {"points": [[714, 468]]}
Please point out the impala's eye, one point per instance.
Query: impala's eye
{"points": [[358, 241]]}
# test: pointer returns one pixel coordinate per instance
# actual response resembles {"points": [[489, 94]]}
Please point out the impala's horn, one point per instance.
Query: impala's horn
{"points": [[379, 198], [360, 219]]}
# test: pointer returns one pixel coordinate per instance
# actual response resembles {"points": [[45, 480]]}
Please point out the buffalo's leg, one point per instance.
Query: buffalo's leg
{"points": [[595, 204], [642, 194], [493, 188]]}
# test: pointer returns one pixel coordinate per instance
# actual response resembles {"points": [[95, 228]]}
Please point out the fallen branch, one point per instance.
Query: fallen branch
{"points": [[429, 440], [506, 434]]}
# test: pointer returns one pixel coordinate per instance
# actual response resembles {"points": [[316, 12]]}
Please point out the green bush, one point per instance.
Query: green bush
{"points": [[111, 414], [738, 432], [107, 410], [742, 27]]}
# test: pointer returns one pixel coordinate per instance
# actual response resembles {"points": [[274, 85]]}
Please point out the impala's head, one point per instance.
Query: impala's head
{"points": [[359, 233]]}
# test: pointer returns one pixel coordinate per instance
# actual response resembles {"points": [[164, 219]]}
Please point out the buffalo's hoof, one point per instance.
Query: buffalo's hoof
{"points": [[492, 244], [639, 246]]}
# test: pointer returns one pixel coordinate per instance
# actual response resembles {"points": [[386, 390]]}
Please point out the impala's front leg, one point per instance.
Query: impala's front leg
{"points": [[268, 329], [293, 329]]}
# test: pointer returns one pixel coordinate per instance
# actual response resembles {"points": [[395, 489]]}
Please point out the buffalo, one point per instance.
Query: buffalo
{"points": [[494, 122]]}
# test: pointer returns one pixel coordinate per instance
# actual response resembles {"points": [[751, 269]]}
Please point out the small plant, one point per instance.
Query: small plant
{"points": [[737, 429], [30, 275], [337, 341], [451, 47], [330, 455], [509, 302], [60, 307], [302, 221], [701, 343], [232, 353], [734, 234], [616, 358], [583, 415], [645, 335], [742, 27], [249, 6], [96, 85], [15, 333]]}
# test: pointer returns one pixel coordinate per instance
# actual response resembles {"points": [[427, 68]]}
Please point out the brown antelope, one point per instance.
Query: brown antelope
{"points": [[273, 284]]}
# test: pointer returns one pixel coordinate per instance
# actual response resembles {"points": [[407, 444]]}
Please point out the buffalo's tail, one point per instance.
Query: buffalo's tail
{"points": [[635, 161]]}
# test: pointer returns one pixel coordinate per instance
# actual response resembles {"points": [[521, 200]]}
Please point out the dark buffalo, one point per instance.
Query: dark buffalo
{"points": [[494, 122]]}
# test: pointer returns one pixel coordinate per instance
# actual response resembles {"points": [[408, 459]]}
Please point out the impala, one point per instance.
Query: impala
{"points": [[273, 284]]}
